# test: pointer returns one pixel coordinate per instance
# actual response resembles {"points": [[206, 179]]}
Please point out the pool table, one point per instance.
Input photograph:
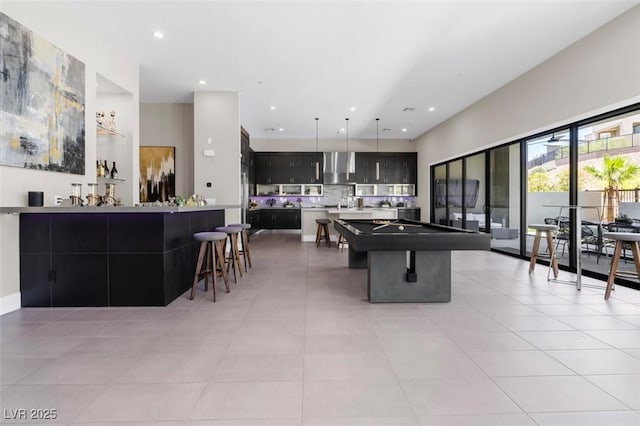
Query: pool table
{"points": [[407, 265]]}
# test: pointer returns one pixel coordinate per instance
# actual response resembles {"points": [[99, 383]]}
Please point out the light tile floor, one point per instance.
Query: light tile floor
{"points": [[296, 343]]}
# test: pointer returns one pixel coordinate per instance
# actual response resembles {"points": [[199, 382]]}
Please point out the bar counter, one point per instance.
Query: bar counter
{"points": [[109, 256]]}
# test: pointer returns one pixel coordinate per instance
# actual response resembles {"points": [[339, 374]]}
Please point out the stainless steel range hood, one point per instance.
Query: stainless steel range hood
{"points": [[336, 166]]}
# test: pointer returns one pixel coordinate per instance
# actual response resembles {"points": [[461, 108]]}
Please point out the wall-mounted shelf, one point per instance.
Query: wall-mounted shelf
{"points": [[103, 131], [109, 180]]}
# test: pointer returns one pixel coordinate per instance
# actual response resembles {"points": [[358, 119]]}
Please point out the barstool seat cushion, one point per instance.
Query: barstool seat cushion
{"points": [[229, 229], [323, 221], [241, 225], [209, 236], [543, 227], [622, 236]]}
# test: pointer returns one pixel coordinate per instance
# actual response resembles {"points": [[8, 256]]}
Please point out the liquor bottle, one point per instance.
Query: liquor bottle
{"points": [[100, 169], [106, 169], [97, 168], [114, 171]]}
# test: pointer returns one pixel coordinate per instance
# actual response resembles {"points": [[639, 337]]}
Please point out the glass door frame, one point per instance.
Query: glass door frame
{"points": [[573, 129]]}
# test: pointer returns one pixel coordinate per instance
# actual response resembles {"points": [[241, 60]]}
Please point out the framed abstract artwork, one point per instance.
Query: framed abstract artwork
{"points": [[157, 173], [42, 103]]}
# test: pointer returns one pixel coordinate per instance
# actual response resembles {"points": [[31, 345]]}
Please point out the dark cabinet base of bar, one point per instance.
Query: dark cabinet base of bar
{"points": [[109, 259]]}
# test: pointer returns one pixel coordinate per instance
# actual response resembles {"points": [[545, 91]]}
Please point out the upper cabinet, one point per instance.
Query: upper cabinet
{"points": [[386, 167], [245, 157], [401, 168], [288, 168], [274, 168]]}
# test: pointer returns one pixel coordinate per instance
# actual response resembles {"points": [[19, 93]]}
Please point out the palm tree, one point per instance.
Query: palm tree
{"points": [[615, 171]]}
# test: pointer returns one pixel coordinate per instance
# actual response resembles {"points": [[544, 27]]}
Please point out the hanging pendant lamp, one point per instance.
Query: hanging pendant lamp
{"points": [[377, 151], [347, 129], [317, 163]]}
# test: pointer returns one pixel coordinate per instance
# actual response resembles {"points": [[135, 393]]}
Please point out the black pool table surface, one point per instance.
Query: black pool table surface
{"points": [[405, 234]]}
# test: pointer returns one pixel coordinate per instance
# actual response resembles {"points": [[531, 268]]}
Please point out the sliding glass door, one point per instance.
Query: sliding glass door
{"points": [[504, 190], [548, 187]]}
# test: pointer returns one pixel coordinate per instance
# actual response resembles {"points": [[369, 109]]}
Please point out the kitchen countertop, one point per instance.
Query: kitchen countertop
{"points": [[366, 210], [273, 208], [331, 209], [114, 209]]}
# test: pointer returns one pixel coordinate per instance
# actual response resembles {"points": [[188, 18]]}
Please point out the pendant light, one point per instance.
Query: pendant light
{"points": [[377, 151], [347, 129], [317, 163]]}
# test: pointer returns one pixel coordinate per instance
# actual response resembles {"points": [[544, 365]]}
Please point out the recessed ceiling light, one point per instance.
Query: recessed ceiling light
{"points": [[352, 109], [404, 129], [158, 34], [272, 107], [342, 130], [280, 129], [431, 109], [202, 82]]}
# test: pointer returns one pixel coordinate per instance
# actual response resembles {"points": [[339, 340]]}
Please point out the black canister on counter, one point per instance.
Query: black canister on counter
{"points": [[36, 198]]}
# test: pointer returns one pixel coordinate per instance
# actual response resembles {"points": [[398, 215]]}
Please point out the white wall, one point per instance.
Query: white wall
{"points": [[171, 125], [56, 24], [596, 74], [216, 118], [326, 145]]}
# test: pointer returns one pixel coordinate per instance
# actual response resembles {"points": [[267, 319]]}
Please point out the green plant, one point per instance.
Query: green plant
{"points": [[614, 171], [538, 180]]}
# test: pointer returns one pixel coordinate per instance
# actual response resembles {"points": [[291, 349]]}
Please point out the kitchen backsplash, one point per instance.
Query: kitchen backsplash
{"points": [[333, 195]]}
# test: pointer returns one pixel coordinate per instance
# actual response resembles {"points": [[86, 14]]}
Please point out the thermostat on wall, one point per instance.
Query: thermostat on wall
{"points": [[209, 153]]}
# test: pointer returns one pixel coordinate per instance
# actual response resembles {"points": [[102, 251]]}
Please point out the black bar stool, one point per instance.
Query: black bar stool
{"points": [[245, 251], [210, 257], [233, 259], [323, 231]]}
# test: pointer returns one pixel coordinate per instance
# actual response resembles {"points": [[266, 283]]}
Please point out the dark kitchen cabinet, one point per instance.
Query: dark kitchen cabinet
{"points": [[288, 168], [386, 167], [252, 173], [401, 168], [409, 213], [254, 217], [244, 146], [366, 167], [275, 218]]}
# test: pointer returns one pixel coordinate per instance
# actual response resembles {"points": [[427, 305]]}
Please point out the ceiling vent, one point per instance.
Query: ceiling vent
{"points": [[386, 130], [408, 109], [269, 129]]}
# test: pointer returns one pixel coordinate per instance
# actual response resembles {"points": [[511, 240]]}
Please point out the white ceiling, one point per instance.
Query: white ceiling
{"points": [[319, 58]]}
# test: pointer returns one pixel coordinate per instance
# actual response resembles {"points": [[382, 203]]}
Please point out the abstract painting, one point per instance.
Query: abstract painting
{"points": [[157, 173], [42, 103]]}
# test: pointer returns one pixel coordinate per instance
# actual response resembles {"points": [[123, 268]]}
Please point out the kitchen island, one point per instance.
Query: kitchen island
{"points": [[109, 256], [309, 216]]}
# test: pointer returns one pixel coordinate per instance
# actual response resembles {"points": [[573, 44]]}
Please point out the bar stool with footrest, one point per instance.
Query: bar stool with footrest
{"points": [[210, 258], [622, 238], [341, 242], [245, 252], [323, 231], [233, 259], [548, 230]]}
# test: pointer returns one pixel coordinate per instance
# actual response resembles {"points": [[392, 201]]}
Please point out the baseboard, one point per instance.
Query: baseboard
{"points": [[10, 303]]}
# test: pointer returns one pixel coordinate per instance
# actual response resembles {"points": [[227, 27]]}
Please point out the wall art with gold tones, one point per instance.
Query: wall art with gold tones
{"points": [[42, 103]]}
